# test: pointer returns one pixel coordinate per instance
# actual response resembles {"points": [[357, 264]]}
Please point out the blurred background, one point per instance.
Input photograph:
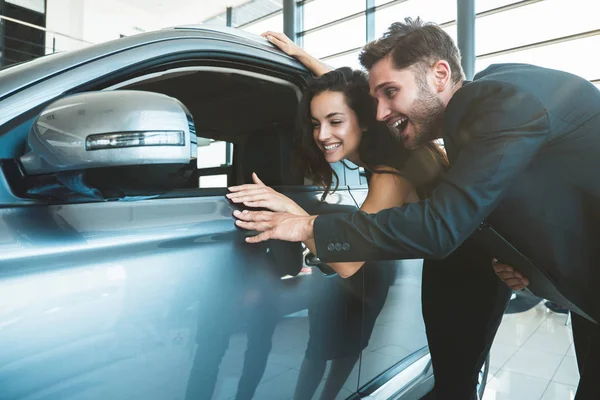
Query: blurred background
{"points": [[562, 34]]}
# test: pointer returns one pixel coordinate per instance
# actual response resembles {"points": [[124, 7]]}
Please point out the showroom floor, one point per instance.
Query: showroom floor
{"points": [[533, 358]]}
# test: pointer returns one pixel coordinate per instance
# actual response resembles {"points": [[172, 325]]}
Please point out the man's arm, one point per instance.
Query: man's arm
{"points": [[497, 139]]}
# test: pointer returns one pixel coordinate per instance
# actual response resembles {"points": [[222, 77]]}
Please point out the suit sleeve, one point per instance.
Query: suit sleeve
{"points": [[497, 138]]}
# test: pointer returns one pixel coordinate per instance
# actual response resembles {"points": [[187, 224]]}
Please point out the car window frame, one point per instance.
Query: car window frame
{"points": [[206, 58]]}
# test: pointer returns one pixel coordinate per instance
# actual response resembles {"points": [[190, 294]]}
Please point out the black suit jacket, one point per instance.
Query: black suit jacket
{"points": [[524, 149]]}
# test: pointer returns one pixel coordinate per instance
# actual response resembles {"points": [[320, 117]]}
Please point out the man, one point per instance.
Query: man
{"points": [[456, 292], [523, 144]]}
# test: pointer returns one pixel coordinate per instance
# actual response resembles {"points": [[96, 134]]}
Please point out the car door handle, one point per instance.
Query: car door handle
{"points": [[310, 260]]}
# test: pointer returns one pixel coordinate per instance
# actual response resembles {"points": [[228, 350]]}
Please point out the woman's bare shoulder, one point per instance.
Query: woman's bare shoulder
{"points": [[388, 189]]}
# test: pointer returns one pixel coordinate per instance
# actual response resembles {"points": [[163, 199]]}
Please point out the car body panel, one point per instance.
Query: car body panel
{"points": [[118, 300], [394, 287]]}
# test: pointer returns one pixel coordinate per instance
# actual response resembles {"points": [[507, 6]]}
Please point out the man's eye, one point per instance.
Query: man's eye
{"points": [[390, 92]]}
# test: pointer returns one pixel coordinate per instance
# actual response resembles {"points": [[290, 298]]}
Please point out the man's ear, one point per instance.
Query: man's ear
{"points": [[442, 75]]}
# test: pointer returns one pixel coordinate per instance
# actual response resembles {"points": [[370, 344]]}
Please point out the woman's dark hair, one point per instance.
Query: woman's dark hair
{"points": [[377, 147]]}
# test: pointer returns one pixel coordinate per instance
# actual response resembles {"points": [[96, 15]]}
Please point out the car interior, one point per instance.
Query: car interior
{"points": [[253, 113]]}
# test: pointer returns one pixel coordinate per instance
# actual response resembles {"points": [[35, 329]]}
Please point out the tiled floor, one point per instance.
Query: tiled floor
{"points": [[533, 358]]}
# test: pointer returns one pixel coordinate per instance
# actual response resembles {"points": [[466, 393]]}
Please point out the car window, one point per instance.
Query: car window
{"points": [[355, 175], [243, 120], [243, 124]]}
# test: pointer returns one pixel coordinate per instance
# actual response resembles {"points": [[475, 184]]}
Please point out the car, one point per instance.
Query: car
{"points": [[122, 273]]}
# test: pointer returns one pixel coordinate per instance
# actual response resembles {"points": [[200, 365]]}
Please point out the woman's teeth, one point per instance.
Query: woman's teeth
{"points": [[332, 146]]}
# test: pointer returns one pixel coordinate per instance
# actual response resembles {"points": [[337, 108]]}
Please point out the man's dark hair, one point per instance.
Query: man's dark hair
{"points": [[414, 43]]}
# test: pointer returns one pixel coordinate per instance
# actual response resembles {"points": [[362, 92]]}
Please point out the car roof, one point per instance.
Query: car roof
{"points": [[20, 76]]}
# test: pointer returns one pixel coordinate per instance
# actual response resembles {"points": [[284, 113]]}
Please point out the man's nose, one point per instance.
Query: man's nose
{"points": [[383, 111]]}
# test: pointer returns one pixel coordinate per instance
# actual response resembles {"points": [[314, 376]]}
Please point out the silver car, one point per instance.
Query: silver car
{"points": [[122, 274]]}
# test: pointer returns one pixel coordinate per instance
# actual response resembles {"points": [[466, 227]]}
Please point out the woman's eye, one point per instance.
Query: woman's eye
{"points": [[390, 92], [315, 126], [336, 122]]}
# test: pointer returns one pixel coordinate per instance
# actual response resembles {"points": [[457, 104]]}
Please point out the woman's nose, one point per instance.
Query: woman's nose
{"points": [[324, 133]]}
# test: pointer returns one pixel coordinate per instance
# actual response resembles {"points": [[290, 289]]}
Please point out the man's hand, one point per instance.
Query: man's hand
{"points": [[275, 225], [513, 279]]}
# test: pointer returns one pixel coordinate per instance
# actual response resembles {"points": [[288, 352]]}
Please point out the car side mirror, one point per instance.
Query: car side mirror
{"points": [[110, 129]]}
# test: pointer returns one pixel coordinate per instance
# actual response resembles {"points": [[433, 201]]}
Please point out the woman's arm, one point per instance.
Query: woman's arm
{"points": [[259, 195], [386, 190], [316, 66]]}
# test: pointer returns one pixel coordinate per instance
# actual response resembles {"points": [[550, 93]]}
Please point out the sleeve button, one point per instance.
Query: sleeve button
{"points": [[338, 247], [346, 246], [331, 247]]}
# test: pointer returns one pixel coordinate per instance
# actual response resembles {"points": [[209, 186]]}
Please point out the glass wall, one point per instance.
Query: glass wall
{"points": [[272, 22], [255, 16], [561, 34]]}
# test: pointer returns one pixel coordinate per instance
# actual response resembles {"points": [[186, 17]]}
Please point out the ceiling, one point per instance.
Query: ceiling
{"points": [[175, 12]]}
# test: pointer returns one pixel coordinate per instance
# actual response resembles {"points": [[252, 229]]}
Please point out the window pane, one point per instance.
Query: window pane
{"points": [[480, 5], [523, 25], [438, 11], [35, 5], [348, 60], [273, 23], [485, 5], [213, 181], [320, 12], [213, 155], [574, 56], [337, 38]]}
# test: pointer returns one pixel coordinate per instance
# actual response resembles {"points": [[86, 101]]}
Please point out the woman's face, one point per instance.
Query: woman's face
{"points": [[335, 127]]}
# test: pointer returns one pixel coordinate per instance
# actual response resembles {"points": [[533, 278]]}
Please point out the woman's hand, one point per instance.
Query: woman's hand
{"points": [[284, 43], [259, 195], [513, 279]]}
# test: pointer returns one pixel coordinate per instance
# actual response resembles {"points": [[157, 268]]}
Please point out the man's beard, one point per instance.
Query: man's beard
{"points": [[427, 115]]}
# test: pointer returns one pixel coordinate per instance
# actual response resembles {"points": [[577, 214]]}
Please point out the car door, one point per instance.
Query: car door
{"points": [[395, 358], [158, 298], [331, 313]]}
